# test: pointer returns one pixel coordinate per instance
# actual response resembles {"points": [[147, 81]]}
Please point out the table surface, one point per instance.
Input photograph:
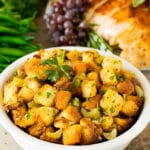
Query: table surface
{"points": [[142, 142]]}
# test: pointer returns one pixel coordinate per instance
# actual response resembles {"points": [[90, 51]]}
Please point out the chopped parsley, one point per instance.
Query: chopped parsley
{"points": [[142, 98], [120, 78], [48, 94], [112, 77], [112, 110], [76, 83], [102, 92], [28, 116]]}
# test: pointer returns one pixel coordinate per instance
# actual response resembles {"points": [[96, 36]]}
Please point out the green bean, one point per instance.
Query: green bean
{"points": [[8, 19], [12, 40], [13, 52], [7, 30], [29, 38], [6, 59]]}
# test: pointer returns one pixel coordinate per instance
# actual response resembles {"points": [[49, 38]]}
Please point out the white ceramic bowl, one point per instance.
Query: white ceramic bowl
{"points": [[28, 142]]}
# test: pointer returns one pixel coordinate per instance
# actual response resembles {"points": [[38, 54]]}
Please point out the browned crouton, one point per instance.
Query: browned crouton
{"points": [[25, 94], [125, 87], [91, 102], [72, 135], [135, 99], [61, 123], [88, 133], [72, 114], [130, 108], [79, 67], [123, 123], [61, 99], [73, 55], [63, 83], [37, 129]]}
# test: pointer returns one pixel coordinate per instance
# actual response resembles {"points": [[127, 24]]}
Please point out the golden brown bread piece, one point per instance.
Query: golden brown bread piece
{"points": [[62, 99], [88, 134], [72, 135]]}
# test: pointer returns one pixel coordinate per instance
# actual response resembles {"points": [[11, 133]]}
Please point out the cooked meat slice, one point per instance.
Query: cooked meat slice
{"points": [[127, 27]]}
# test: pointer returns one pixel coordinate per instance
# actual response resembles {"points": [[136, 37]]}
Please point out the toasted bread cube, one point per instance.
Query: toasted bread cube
{"points": [[94, 76], [88, 88], [107, 122], [130, 108], [92, 102], [135, 99], [47, 114], [25, 94], [72, 114], [88, 132], [61, 123], [72, 135], [45, 95], [126, 87], [32, 84], [108, 76], [123, 123], [88, 57], [73, 55], [33, 69], [36, 129], [22, 118], [110, 62], [79, 67], [62, 99], [10, 96], [112, 102]]}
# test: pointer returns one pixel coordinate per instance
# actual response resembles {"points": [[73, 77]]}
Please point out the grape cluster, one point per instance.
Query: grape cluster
{"points": [[64, 20]]}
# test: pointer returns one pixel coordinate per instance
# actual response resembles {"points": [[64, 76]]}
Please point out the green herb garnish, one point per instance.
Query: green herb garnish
{"points": [[120, 78], [112, 77], [96, 41], [48, 94], [76, 83], [102, 92], [28, 115], [136, 3], [112, 110], [58, 68]]}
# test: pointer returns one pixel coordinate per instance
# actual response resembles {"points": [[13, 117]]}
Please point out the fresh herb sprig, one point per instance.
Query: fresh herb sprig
{"points": [[136, 3], [57, 69], [96, 41]]}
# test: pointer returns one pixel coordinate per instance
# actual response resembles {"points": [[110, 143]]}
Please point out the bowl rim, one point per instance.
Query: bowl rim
{"points": [[131, 133]]}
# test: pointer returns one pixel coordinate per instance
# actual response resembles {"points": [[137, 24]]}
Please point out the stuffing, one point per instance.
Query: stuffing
{"points": [[72, 135], [47, 114], [108, 76], [88, 88], [112, 102], [88, 134], [62, 99], [45, 95]]}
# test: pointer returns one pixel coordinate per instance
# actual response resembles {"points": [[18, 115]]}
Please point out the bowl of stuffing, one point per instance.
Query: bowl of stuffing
{"points": [[73, 98]]}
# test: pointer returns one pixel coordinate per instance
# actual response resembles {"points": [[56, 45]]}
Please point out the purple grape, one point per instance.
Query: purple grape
{"points": [[83, 25], [79, 3], [60, 19], [69, 14], [81, 35], [68, 24], [60, 27], [68, 31], [70, 4], [63, 39], [64, 21]]}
